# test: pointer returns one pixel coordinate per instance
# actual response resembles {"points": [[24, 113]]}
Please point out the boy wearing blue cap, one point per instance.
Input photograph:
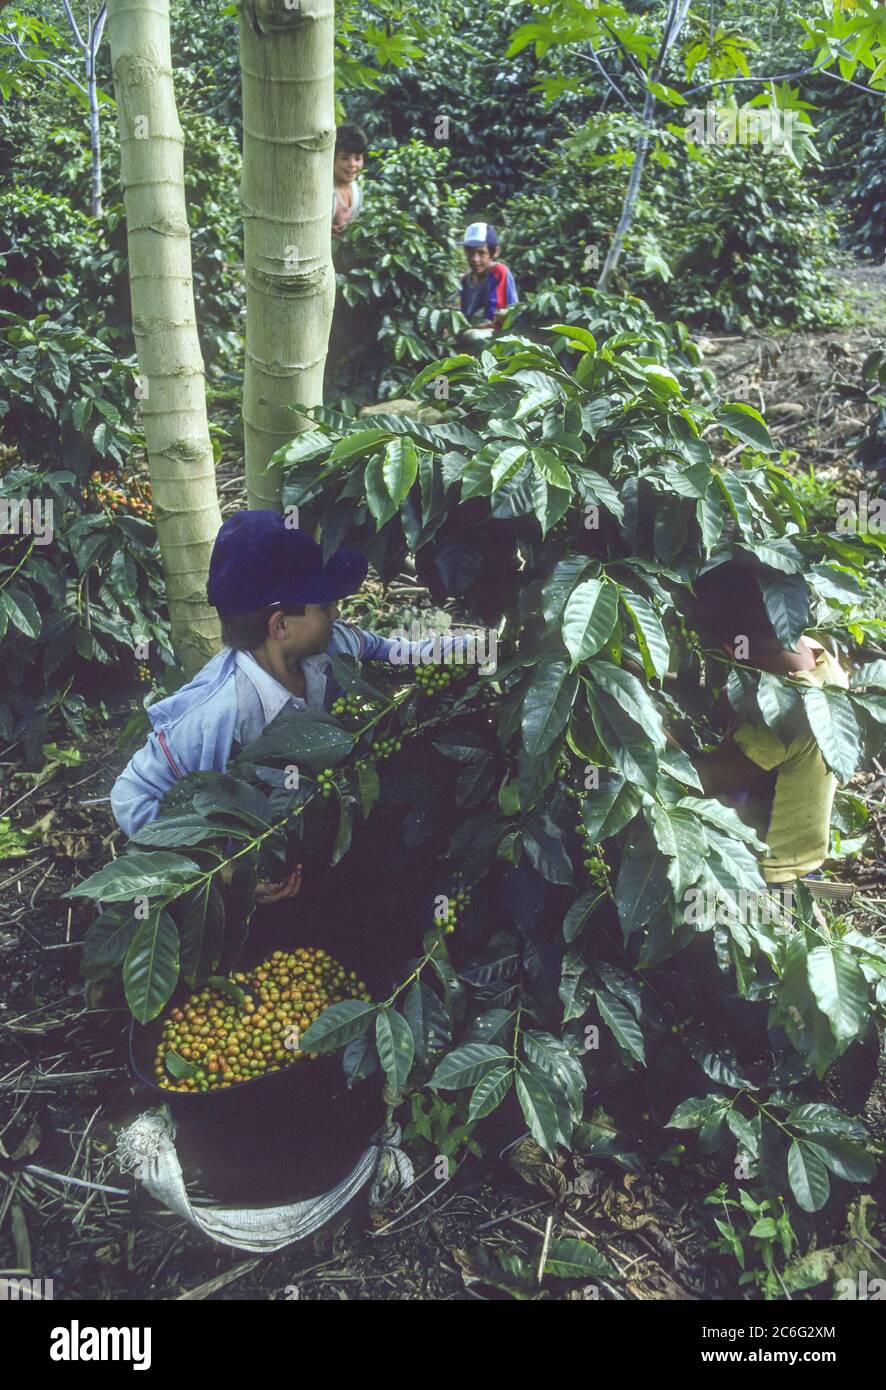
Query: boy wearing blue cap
{"points": [[278, 607], [487, 289]]}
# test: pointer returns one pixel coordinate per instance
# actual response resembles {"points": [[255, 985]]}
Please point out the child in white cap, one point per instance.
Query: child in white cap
{"points": [[488, 288]]}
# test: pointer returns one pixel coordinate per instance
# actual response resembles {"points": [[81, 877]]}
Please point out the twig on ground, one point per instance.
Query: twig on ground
{"points": [[545, 1246], [219, 1282], [67, 1179]]}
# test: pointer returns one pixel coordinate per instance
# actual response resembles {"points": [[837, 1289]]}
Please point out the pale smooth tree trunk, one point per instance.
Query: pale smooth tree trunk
{"points": [[171, 381], [89, 46], [286, 59], [95, 139], [674, 21]]}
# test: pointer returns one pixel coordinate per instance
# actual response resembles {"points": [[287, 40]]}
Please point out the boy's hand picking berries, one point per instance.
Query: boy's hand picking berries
{"points": [[266, 893]]}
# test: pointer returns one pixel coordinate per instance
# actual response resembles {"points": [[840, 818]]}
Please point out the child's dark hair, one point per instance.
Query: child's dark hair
{"points": [[350, 139], [246, 631], [728, 601]]}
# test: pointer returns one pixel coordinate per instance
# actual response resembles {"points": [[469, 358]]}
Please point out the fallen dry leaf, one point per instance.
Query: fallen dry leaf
{"points": [[532, 1164], [31, 1141]]}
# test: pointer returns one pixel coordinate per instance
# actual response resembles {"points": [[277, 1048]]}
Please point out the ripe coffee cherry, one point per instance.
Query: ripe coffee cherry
{"points": [[284, 994]]}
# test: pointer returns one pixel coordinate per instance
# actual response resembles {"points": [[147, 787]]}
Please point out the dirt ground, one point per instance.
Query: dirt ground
{"points": [[65, 1085]]}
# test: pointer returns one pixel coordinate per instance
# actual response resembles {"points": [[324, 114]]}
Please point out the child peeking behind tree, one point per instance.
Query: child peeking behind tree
{"points": [[347, 194]]}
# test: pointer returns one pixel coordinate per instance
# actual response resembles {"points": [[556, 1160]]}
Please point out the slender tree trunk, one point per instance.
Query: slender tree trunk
{"points": [[676, 17], [94, 138], [626, 217], [172, 388], [89, 46], [286, 58]]}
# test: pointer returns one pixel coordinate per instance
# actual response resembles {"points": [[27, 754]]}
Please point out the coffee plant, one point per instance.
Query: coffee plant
{"points": [[758, 246], [79, 568], [539, 831]]}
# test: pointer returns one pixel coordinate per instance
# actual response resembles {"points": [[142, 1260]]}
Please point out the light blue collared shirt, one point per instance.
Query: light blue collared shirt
{"points": [[260, 696], [232, 698]]}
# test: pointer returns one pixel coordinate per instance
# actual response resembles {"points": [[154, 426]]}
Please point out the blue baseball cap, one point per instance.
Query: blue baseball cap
{"points": [[481, 234], [259, 561]]}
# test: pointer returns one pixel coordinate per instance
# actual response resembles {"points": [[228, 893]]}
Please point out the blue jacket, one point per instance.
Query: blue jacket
{"points": [[194, 728], [494, 292]]}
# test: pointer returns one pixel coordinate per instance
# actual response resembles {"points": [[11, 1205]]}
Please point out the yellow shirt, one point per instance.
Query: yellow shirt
{"points": [[800, 820]]}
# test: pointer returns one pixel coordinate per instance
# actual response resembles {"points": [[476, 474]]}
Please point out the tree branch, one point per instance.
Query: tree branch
{"points": [[784, 77], [74, 25], [837, 77], [630, 57], [13, 41], [677, 11], [610, 80], [773, 77], [99, 29]]}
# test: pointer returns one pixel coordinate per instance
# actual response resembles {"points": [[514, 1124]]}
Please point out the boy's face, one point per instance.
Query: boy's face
{"points": [[303, 636], [347, 166], [479, 258]]}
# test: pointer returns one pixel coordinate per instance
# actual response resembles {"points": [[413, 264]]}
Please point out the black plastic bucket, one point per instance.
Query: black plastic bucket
{"points": [[284, 1136]]}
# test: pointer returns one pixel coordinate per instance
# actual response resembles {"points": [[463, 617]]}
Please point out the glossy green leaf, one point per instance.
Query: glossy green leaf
{"points": [[578, 914], [306, 738], [399, 468], [846, 1160], [777, 699], [786, 599], [547, 703], [170, 832], [624, 740], [151, 966], [150, 874], [337, 1025], [342, 834], [642, 888], [428, 1019], [746, 424], [840, 989], [650, 634], [610, 808], [552, 1056], [396, 1046], [489, 1093], [381, 504], [22, 611], [589, 617], [681, 836], [368, 786], [622, 1023], [560, 583], [467, 1065], [552, 468], [868, 674], [832, 720], [508, 462], [201, 924], [538, 1109], [577, 337], [633, 699], [808, 1177], [107, 941], [693, 1112], [179, 1066]]}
